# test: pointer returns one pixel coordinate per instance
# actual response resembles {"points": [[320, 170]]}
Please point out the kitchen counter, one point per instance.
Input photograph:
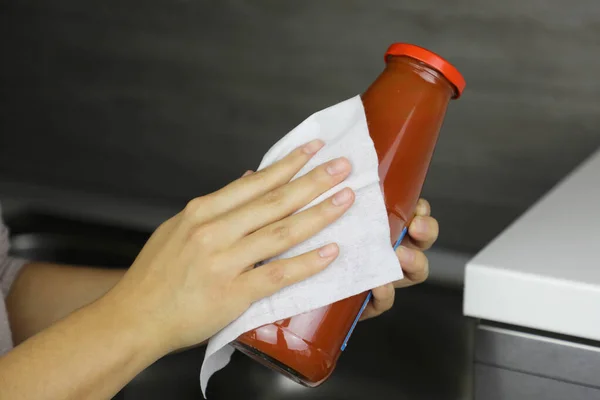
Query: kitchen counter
{"points": [[536, 288], [447, 266]]}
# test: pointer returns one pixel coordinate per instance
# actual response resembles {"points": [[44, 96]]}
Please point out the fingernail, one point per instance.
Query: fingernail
{"points": [[342, 197], [328, 251], [338, 166], [313, 147], [405, 255], [247, 173]]}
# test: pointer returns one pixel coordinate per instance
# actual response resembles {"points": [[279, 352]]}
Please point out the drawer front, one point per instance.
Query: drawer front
{"points": [[537, 353], [492, 383]]}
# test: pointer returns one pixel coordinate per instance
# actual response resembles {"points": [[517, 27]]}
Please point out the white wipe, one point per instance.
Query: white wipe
{"points": [[366, 258]]}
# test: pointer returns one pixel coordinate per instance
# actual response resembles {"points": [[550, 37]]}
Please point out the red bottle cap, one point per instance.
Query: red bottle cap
{"points": [[433, 60]]}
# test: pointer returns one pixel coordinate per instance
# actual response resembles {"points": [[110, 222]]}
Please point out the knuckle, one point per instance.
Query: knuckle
{"points": [[193, 208], [386, 300], [257, 178], [320, 175], [297, 157], [273, 198], [281, 232], [203, 235], [423, 263], [275, 274], [268, 178], [258, 175], [327, 209], [387, 306]]}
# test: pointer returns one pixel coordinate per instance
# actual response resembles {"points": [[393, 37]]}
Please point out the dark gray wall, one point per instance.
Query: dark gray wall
{"points": [[168, 99]]}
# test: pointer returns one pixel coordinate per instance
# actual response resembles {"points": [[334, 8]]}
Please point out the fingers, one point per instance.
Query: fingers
{"points": [[423, 232], [276, 238], [251, 185], [415, 266], [272, 277], [423, 208], [381, 301], [284, 200]]}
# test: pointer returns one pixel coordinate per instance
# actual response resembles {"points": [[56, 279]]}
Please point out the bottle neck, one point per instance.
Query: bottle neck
{"points": [[405, 108], [408, 99], [421, 71]]}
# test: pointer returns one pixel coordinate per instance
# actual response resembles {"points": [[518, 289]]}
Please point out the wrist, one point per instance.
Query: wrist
{"points": [[136, 327]]}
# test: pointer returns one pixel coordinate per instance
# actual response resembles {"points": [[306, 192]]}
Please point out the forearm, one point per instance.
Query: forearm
{"points": [[91, 354], [44, 293]]}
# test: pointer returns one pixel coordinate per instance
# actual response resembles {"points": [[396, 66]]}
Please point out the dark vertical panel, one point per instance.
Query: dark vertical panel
{"points": [[168, 99]]}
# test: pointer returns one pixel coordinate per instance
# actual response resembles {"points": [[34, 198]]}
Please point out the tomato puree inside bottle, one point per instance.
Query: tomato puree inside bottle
{"points": [[405, 108]]}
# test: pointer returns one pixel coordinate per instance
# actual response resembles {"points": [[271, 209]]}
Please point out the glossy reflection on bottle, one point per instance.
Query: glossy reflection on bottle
{"points": [[405, 108]]}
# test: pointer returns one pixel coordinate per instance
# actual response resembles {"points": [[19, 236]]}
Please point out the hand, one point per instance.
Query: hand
{"points": [[195, 275], [422, 234]]}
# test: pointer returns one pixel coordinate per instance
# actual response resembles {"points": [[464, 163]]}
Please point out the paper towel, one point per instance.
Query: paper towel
{"points": [[366, 259]]}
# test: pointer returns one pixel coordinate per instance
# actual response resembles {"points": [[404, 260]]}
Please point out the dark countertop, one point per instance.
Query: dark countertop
{"points": [[446, 266]]}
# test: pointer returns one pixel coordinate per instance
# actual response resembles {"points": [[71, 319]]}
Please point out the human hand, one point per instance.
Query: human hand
{"points": [[195, 274], [422, 233]]}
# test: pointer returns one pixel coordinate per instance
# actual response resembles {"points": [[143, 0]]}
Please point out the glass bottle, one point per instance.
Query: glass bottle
{"points": [[405, 107]]}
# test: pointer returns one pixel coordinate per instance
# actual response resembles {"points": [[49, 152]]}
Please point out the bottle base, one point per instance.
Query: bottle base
{"points": [[275, 365]]}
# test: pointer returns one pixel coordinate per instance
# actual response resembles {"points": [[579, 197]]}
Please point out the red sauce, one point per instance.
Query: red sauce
{"points": [[405, 108]]}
